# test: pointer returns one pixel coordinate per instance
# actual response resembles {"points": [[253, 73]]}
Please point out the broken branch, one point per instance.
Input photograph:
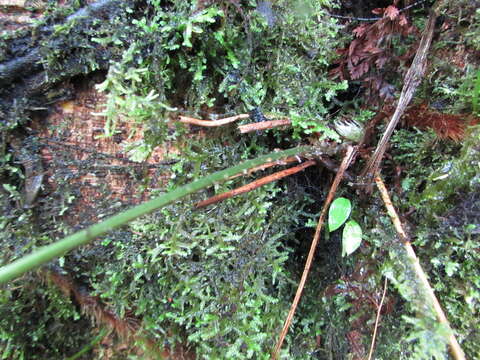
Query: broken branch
{"points": [[455, 348], [263, 125], [212, 123], [256, 184], [333, 189]]}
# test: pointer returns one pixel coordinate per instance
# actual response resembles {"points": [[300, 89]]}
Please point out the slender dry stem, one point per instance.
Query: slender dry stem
{"points": [[333, 189], [377, 320], [255, 184], [212, 123], [281, 162], [455, 348]]}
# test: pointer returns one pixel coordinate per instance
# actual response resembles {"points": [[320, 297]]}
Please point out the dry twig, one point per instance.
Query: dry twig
{"points": [[412, 80], [256, 184], [212, 123], [379, 310], [285, 161], [263, 125], [345, 163], [455, 348]]}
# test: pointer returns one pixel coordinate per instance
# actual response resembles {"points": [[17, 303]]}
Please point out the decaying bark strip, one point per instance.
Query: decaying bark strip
{"points": [[256, 184], [455, 348], [212, 123], [412, 80], [27, 78], [264, 125]]}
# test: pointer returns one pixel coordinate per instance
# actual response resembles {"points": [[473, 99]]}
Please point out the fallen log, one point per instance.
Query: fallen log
{"points": [[26, 72]]}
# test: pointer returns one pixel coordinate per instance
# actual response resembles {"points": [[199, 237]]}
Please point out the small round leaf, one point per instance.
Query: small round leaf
{"points": [[352, 237], [338, 213]]}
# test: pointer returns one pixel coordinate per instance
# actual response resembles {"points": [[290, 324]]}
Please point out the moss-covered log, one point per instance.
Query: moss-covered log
{"points": [[58, 48]]}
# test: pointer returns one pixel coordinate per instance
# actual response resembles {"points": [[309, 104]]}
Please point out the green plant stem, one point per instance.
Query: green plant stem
{"points": [[89, 346], [476, 93], [59, 248]]}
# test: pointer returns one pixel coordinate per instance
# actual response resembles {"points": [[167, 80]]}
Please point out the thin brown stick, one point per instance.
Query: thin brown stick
{"points": [[212, 123], [263, 125], [455, 348], [379, 310], [285, 161], [333, 189], [256, 184], [412, 80]]}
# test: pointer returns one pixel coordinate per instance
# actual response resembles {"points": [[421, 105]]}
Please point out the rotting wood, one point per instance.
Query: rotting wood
{"points": [[264, 125], [347, 159], [455, 348], [255, 184], [25, 80], [412, 80], [212, 123], [24, 66], [48, 142]]}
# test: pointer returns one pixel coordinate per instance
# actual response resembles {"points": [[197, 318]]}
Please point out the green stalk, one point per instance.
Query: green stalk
{"points": [[59, 248], [476, 94], [89, 346]]}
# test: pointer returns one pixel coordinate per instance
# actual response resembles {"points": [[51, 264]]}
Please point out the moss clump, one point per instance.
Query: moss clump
{"points": [[451, 178], [225, 59], [212, 279], [37, 321], [448, 237]]}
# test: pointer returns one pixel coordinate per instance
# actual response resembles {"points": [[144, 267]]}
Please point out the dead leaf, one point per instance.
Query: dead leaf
{"points": [[391, 12]]}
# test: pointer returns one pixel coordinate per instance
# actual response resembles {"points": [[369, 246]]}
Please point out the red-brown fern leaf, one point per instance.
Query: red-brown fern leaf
{"points": [[368, 55], [446, 126]]}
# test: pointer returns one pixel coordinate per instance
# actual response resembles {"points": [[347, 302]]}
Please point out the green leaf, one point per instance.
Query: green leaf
{"points": [[338, 213], [352, 237]]}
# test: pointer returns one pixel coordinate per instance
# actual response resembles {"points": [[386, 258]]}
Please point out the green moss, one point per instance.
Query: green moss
{"points": [[210, 278], [452, 178], [448, 239], [227, 59], [221, 279], [38, 322]]}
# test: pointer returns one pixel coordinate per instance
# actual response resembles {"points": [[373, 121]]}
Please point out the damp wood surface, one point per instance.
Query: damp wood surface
{"points": [[185, 89]]}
